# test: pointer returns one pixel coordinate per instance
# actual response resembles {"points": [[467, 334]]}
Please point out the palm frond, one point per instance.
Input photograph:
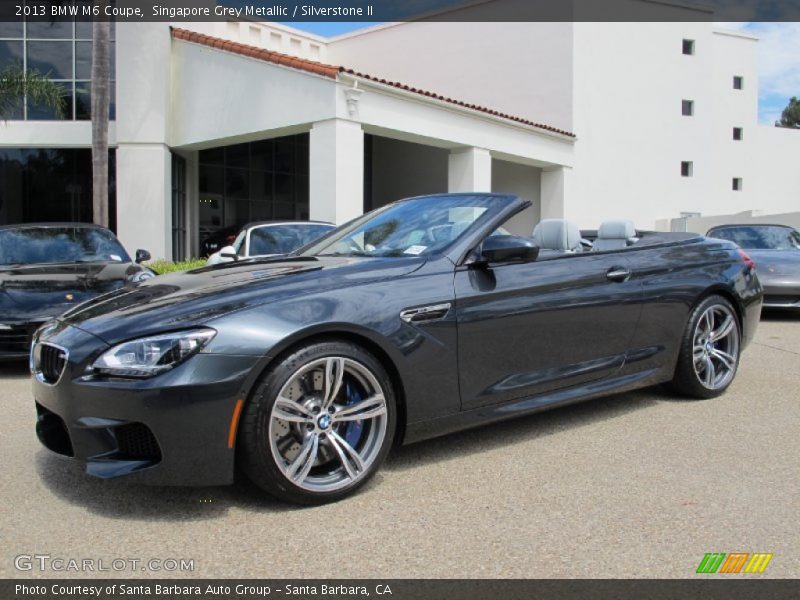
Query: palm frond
{"points": [[16, 83]]}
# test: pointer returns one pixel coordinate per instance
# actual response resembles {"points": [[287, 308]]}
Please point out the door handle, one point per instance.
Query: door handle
{"points": [[618, 274]]}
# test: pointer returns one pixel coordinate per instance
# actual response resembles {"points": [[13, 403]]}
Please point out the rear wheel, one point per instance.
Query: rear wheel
{"points": [[318, 424], [710, 349]]}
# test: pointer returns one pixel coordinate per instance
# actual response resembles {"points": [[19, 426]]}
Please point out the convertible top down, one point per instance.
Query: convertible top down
{"points": [[423, 317]]}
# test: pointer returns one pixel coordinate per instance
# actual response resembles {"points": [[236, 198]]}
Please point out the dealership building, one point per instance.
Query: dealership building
{"points": [[218, 124]]}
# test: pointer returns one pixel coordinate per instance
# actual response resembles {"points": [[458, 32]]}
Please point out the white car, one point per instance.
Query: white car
{"points": [[270, 238]]}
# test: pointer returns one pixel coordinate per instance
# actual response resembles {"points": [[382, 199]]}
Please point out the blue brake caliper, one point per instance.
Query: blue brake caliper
{"points": [[352, 432]]}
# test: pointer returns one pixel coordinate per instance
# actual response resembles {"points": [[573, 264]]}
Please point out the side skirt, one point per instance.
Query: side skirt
{"points": [[423, 430]]}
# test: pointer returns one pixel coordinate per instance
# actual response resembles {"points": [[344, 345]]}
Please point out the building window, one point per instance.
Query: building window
{"points": [[259, 181], [738, 82], [688, 47], [50, 184], [64, 51], [687, 168], [178, 207], [687, 108], [737, 184], [738, 134]]}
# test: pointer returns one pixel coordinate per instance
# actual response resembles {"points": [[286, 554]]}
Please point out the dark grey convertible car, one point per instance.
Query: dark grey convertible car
{"points": [[776, 251], [420, 318]]}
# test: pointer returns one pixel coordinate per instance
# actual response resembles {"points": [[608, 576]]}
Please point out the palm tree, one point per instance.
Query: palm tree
{"points": [[100, 88], [16, 83]]}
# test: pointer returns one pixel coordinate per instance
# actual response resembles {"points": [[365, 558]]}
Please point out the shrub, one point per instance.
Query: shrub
{"points": [[167, 266]]}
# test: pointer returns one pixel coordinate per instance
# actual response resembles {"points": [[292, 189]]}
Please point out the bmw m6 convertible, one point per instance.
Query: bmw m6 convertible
{"points": [[421, 318]]}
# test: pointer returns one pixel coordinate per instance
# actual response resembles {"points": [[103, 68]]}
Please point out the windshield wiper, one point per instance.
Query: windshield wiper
{"points": [[351, 253]]}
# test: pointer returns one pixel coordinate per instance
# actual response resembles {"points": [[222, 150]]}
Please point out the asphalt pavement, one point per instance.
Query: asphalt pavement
{"points": [[635, 485]]}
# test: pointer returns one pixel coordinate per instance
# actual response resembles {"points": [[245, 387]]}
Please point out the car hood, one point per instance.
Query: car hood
{"points": [[776, 262], [38, 292], [181, 300]]}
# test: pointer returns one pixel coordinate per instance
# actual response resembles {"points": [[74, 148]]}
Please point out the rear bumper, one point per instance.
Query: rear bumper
{"points": [[782, 295], [172, 429]]}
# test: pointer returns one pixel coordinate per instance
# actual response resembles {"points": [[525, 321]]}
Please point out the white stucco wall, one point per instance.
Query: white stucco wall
{"points": [[735, 55], [523, 181], [403, 169], [221, 98], [778, 163], [518, 68], [629, 81]]}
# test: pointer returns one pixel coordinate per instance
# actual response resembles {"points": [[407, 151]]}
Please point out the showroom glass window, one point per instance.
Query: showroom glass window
{"points": [[50, 184], [258, 181], [62, 50]]}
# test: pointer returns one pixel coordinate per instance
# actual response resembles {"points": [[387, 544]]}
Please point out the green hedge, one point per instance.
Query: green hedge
{"points": [[167, 266]]}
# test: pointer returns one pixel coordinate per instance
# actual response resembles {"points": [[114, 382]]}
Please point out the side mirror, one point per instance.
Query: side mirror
{"points": [[508, 248], [142, 256], [228, 252]]}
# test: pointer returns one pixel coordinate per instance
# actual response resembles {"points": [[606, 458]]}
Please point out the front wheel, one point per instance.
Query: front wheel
{"points": [[710, 350], [318, 424]]}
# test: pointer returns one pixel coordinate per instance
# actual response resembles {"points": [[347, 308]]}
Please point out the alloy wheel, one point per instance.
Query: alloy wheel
{"points": [[328, 424], [715, 348]]}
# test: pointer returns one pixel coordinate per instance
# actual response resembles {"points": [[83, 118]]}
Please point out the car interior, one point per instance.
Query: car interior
{"points": [[558, 237]]}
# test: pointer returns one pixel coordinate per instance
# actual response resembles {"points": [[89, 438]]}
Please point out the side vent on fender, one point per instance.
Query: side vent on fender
{"points": [[425, 314]]}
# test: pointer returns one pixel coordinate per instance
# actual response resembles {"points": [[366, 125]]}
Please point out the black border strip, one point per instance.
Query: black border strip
{"points": [[729, 588], [405, 10]]}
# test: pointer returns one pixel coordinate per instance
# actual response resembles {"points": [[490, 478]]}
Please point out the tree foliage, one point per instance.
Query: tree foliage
{"points": [[16, 83], [791, 115]]}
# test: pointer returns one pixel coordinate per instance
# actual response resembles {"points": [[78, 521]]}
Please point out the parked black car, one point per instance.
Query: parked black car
{"points": [[776, 252], [418, 319], [47, 268], [215, 241]]}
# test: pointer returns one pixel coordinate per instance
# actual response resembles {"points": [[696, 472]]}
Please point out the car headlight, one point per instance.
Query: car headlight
{"points": [[142, 275], [150, 356]]}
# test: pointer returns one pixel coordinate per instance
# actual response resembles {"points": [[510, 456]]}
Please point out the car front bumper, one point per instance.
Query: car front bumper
{"points": [[172, 429], [15, 339]]}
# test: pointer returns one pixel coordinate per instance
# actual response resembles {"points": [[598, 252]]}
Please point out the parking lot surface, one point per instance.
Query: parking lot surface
{"points": [[634, 485]]}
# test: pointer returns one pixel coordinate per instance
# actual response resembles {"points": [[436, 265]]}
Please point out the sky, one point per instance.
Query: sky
{"points": [[778, 65], [778, 58]]}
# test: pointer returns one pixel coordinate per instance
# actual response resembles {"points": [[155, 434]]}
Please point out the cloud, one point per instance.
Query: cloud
{"points": [[778, 64], [778, 58]]}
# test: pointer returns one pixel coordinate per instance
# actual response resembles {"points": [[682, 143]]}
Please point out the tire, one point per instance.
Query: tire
{"points": [[710, 350], [318, 424]]}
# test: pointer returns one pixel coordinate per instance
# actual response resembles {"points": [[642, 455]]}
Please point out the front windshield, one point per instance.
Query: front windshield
{"points": [[763, 237], [416, 227], [50, 245], [237, 243], [282, 239]]}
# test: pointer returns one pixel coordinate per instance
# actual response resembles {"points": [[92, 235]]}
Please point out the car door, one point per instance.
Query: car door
{"points": [[532, 328]]}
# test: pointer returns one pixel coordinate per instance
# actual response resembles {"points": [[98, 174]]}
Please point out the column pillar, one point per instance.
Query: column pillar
{"points": [[469, 170], [144, 198], [336, 163], [555, 191]]}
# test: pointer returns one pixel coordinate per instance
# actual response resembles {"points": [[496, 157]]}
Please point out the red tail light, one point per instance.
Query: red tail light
{"points": [[747, 260]]}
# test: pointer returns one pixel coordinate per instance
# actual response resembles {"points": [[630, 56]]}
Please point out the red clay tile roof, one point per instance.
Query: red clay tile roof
{"points": [[259, 53], [332, 71]]}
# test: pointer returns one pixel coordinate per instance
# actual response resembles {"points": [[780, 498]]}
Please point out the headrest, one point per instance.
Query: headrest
{"points": [[557, 234], [616, 230]]}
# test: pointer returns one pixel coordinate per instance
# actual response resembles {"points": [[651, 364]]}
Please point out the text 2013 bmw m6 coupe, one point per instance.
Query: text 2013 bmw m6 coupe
{"points": [[420, 318]]}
